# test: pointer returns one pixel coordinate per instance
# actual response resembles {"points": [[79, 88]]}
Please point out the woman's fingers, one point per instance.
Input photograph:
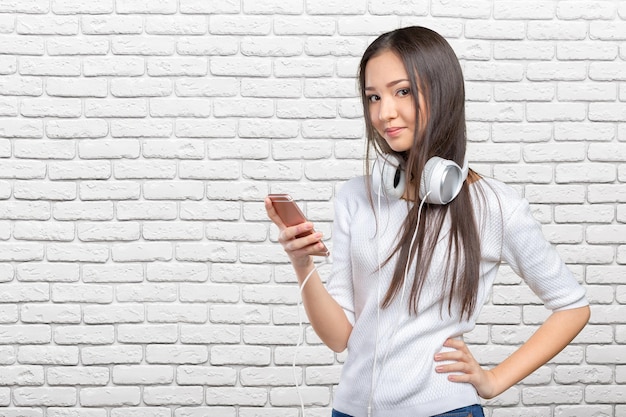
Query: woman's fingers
{"points": [[271, 213], [299, 240], [465, 368]]}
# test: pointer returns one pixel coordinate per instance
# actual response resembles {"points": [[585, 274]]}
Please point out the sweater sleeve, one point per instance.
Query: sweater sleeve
{"points": [[533, 258], [340, 285]]}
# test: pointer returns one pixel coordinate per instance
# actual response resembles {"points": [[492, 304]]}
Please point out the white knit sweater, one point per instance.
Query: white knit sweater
{"points": [[406, 384]]}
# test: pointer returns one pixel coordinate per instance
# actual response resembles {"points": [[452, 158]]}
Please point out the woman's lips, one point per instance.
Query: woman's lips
{"points": [[393, 131]]}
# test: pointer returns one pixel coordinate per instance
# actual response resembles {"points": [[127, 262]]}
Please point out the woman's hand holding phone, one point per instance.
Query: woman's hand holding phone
{"points": [[297, 235]]}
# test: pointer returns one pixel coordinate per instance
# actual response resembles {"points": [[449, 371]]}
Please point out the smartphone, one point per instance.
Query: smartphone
{"points": [[291, 215]]}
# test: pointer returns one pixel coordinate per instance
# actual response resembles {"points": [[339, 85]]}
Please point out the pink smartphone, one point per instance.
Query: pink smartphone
{"points": [[291, 215]]}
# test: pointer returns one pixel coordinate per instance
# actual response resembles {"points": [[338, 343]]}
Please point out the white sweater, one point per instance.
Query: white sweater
{"points": [[406, 382]]}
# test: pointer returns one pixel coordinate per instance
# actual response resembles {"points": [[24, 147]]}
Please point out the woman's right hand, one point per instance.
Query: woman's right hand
{"points": [[299, 249]]}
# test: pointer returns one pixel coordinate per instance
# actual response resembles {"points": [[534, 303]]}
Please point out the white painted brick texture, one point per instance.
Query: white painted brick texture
{"points": [[139, 275]]}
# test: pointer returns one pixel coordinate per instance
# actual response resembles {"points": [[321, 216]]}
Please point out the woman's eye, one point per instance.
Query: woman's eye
{"points": [[404, 91], [373, 98]]}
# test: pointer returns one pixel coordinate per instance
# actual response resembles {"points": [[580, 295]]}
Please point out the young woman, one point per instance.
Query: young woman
{"points": [[417, 243]]}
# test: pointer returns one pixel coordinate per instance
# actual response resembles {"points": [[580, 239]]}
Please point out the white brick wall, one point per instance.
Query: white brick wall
{"points": [[138, 273]]}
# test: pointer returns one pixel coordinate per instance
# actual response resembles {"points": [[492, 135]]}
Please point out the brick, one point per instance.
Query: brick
{"points": [[109, 149], [38, 149], [307, 355], [51, 272], [111, 25], [227, 149], [483, 29], [92, 335], [176, 25], [21, 252], [535, 10], [180, 107], [606, 193], [48, 66], [82, 6], [208, 334], [175, 66], [461, 8], [586, 92], [174, 354], [607, 112], [361, 25], [8, 65], [153, 333], [584, 214], [45, 396], [536, 174], [605, 393], [139, 411], [539, 30], [142, 374], [206, 375], [142, 87], [607, 71], [77, 375], [597, 51], [239, 25], [240, 273], [175, 314], [612, 354], [585, 172], [40, 190], [71, 46], [192, 395], [22, 376], [95, 314], [211, 128], [21, 128], [610, 31], [309, 25], [577, 410], [21, 86], [44, 313], [528, 50], [8, 314], [46, 25], [299, 67], [524, 92], [48, 355], [251, 107], [246, 314], [104, 355], [45, 232], [237, 396], [591, 10], [270, 335], [561, 112], [83, 210], [583, 131], [110, 396], [213, 7], [142, 252], [21, 45], [146, 6]]}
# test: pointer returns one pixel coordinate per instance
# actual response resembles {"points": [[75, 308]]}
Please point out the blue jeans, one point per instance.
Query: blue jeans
{"points": [[472, 411]]}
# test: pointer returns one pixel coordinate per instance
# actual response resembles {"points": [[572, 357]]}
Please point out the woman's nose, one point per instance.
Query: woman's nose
{"points": [[387, 110]]}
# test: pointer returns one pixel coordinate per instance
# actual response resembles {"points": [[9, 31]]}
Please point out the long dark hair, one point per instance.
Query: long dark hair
{"points": [[434, 70]]}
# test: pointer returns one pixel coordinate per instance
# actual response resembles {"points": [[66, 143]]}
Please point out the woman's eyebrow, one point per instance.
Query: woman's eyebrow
{"points": [[390, 84]]}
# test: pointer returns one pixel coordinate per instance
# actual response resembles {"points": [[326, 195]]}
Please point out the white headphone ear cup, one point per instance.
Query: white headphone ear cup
{"points": [[387, 177], [442, 179]]}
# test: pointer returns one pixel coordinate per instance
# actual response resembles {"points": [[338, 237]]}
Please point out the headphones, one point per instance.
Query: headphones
{"points": [[441, 180]]}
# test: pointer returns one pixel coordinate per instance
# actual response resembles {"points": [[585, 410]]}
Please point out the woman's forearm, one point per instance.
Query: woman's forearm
{"points": [[551, 337], [326, 316]]}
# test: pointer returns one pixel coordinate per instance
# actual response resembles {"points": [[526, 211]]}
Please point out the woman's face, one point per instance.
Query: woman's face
{"points": [[390, 100]]}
